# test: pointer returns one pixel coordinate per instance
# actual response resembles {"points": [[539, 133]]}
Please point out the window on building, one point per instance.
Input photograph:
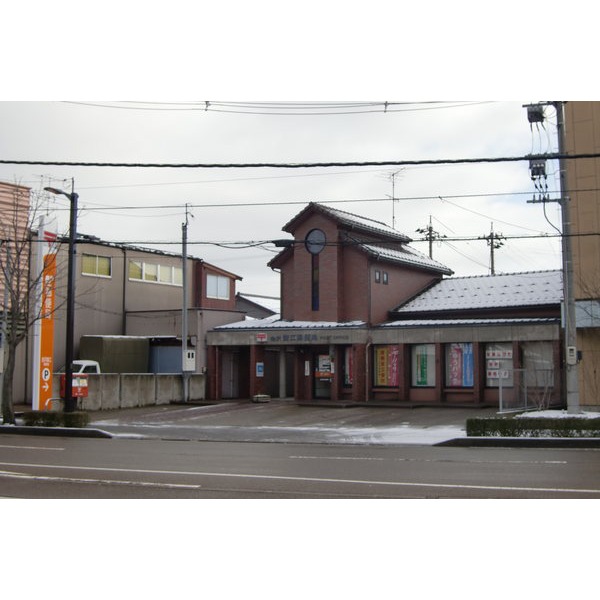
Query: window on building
{"points": [[135, 269], [155, 273], [150, 272], [177, 276], [499, 366], [423, 365], [459, 365], [348, 366], [99, 266], [386, 366], [314, 282], [217, 286], [384, 277], [377, 276]]}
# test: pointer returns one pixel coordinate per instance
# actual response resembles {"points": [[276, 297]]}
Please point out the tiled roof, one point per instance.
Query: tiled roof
{"points": [[275, 322], [268, 302], [364, 223], [489, 291], [464, 322], [406, 255], [351, 221]]}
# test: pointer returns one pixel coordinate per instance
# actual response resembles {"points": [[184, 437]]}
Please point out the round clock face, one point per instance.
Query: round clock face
{"points": [[315, 241]]}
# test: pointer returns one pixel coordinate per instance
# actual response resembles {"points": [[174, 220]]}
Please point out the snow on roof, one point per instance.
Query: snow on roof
{"points": [[408, 256], [268, 302], [489, 291], [350, 220], [363, 222], [275, 322], [460, 322]]}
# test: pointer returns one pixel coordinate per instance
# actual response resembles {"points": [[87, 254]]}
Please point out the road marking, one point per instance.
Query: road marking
{"points": [[153, 484], [339, 458], [29, 447], [501, 488], [438, 460]]}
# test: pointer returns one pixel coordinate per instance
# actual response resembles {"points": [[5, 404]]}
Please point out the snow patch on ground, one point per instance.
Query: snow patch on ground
{"points": [[558, 414], [309, 434]]}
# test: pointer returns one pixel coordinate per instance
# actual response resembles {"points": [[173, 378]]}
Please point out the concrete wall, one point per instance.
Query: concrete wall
{"points": [[110, 391]]}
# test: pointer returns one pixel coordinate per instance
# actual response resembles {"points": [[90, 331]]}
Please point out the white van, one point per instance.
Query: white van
{"points": [[86, 366]]}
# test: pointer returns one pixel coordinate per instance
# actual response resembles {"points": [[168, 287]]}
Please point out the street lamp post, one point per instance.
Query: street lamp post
{"points": [[70, 404]]}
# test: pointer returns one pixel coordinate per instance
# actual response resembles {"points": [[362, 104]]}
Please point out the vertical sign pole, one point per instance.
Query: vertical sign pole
{"points": [[37, 326], [44, 326]]}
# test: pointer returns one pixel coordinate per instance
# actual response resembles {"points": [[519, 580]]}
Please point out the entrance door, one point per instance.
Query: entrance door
{"points": [[323, 375], [230, 369]]}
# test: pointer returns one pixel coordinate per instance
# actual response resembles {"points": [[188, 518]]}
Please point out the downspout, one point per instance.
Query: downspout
{"points": [[367, 373], [124, 292]]}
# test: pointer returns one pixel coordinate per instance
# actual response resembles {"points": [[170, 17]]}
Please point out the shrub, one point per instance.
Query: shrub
{"points": [[76, 419], [533, 427], [49, 418]]}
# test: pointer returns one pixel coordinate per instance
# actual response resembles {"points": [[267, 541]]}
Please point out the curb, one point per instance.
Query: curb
{"points": [[55, 431], [521, 442]]}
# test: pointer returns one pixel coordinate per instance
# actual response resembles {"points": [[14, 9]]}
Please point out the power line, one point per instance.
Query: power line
{"points": [[283, 108], [244, 244], [445, 161]]}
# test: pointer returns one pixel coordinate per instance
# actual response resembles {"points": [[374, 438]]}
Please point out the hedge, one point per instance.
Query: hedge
{"points": [[50, 418], [533, 427]]}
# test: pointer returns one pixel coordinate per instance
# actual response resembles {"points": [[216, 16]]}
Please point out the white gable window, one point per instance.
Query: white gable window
{"points": [[217, 286]]}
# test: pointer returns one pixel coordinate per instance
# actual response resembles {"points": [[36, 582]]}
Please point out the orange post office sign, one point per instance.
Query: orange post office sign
{"points": [[47, 331]]}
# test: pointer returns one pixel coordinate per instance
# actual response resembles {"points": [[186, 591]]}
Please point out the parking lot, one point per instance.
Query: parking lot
{"points": [[286, 421]]}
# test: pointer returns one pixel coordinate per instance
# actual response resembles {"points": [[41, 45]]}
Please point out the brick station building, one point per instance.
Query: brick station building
{"points": [[366, 318]]}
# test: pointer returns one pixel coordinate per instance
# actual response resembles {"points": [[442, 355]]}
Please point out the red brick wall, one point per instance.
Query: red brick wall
{"points": [[347, 288], [402, 284], [328, 275]]}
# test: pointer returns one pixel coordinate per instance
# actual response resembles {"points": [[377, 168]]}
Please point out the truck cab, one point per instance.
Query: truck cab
{"points": [[86, 366]]}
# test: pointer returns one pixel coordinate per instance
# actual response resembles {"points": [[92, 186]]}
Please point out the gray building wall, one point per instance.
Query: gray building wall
{"points": [[119, 305]]}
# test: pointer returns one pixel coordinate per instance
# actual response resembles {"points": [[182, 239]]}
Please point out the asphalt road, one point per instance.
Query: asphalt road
{"points": [[68, 467]]}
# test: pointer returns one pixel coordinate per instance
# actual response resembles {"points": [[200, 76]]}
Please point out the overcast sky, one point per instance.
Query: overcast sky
{"points": [[314, 50], [147, 205], [336, 51]]}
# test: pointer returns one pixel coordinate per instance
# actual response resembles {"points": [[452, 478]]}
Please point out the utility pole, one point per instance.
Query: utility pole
{"points": [[4, 326], [535, 114], [494, 241], [569, 291], [188, 357], [70, 402], [430, 235], [184, 309]]}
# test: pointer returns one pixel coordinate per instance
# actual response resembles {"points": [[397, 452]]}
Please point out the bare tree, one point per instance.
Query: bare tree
{"points": [[18, 212]]}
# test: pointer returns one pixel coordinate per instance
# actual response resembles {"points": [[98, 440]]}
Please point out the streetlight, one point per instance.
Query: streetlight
{"points": [[70, 404]]}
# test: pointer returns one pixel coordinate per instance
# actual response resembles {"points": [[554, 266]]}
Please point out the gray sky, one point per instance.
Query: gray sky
{"points": [[147, 205], [267, 50], [315, 50]]}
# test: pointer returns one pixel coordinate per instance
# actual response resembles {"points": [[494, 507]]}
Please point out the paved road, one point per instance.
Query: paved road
{"points": [[57, 467]]}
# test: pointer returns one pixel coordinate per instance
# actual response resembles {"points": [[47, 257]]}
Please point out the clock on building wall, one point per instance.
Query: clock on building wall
{"points": [[315, 241]]}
